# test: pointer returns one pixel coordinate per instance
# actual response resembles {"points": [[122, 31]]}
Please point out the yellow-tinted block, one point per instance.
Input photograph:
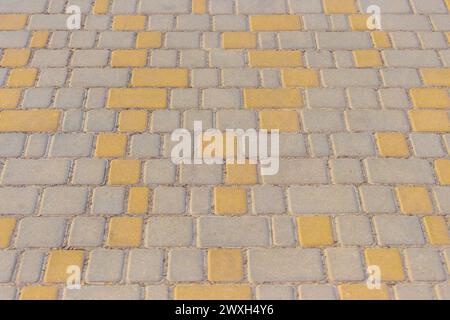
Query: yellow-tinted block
{"points": [[148, 39], [239, 40], [125, 232], [161, 78], [367, 58], [241, 173], [24, 77], [275, 23], [59, 262], [388, 260], [272, 98], [7, 226], [225, 265], [339, 6], [437, 230], [230, 201], [213, 292], [436, 77], [13, 21], [284, 121], [273, 58], [44, 120], [430, 98], [429, 121], [360, 291], [38, 293], [39, 39], [447, 2], [315, 231], [15, 57], [414, 200], [101, 6], [380, 39], [9, 98], [133, 121], [123, 172], [111, 145], [129, 23], [358, 22], [198, 6], [392, 144], [138, 200], [129, 58], [442, 167], [300, 78], [137, 98], [448, 36]]}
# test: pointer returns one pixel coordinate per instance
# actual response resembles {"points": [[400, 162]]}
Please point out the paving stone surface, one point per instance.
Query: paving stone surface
{"points": [[88, 184]]}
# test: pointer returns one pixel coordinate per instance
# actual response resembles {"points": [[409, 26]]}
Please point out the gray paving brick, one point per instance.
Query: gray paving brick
{"points": [[99, 258], [40, 232], [169, 232], [398, 230], [145, 265], [64, 200], [405, 171], [21, 171]]}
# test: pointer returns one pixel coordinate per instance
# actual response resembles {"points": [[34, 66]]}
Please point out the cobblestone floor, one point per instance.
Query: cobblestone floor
{"points": [[87, 181]]}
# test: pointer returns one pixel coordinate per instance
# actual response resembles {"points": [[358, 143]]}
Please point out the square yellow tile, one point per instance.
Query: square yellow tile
{"points": [[437, 230], [381, 39], [367, 58], [225, 265], [125, 232], [442, 167], [59, 262], [392, 144], [388, 260], [358, 22], [23, 77], [36, 292], [133, 121], [198, 6], [414, 200], [39, 39], [315, 231], [9, 98], [101, 6], [230, 201], [147, 40], [241, 173], [138, 200], [124, 172], [7, 226], [111, 145], [339, 6], [15, 57], [429, 120]]}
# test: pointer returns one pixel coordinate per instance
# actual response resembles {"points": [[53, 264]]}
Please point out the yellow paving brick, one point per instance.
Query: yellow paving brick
{"points": [[125, 232], [161, 78], [447, 2], [436, 77], [367, 58], [9, 98], [15, 57], [29, 120], [36, 292], [339, 6], [442, 167], [225, 265], [230, 201], [284, 121], [101, 6], [23, 77], [381, 39], [129, 23], [111, 145], [437, 230], [39, 39], [150, 39], [429, 121], [133, 121], [137, 98], [388, 260], [315, 231], [360, 291], [124, 172], [358, 22], [138, 200], [392, 144], [239, 40], [241, 173], [300, 78], [213, 292], [272, 98], [198, 6], [448, 36], [13, 21], [275, 23], [430, 98], [129, 58], [7, 226], [414, 200], [58, 263], [273, 58]]}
